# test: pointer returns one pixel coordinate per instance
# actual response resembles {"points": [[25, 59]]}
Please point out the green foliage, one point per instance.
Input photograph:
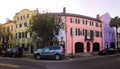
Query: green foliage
{"points": [[115, 22], [46, 26]]}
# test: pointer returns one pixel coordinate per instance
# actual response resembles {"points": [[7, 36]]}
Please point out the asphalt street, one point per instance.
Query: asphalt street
{"points": [[95, 62]]}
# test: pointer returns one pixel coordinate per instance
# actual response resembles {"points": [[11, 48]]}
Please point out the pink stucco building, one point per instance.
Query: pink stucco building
{"points": [[82, 33]]}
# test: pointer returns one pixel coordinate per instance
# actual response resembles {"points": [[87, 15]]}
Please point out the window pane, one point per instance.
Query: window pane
{"points": [[70, 20], [75, 20], [71, 33], [79, 31], [78, 21], [76, 31]]}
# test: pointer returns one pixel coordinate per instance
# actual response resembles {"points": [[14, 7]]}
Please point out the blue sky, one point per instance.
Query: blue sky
{"points": [[83, 7]]}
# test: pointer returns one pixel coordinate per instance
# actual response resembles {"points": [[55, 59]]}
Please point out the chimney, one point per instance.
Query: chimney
{"points": [[64, 9], [36, 10], [97, 16], [16, 13], [7, 20]]}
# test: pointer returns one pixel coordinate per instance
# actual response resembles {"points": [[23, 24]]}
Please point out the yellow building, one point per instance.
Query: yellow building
{"points": [[6, 35], [23, 37]]}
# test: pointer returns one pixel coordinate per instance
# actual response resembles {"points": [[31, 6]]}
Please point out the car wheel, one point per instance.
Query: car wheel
{"points": [[106, 54], [13, 55], [38, 57], [57, 57]]}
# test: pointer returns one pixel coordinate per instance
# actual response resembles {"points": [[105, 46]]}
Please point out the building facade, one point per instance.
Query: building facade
{"points": [[6, 37], [82, 33], [109, 33], [24, 38]]}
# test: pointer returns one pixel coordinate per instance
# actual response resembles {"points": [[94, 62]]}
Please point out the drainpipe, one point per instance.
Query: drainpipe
{"points": [[102, 29], [72, 46]]}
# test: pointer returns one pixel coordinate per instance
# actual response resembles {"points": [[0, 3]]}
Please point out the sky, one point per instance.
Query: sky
{"points": [[91, 8]]}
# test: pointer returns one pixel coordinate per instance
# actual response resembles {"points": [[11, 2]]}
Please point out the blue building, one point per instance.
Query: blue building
{"points": [[109, 33]]}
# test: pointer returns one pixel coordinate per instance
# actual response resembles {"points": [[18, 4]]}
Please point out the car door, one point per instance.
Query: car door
{"points": [[52, 51], [45, 51], [9, 52]]}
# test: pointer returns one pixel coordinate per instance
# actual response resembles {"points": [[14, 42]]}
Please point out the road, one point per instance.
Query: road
{"points": [[97, 62]]}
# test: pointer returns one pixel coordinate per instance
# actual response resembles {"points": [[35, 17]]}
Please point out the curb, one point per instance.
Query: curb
{"points": [[67, 58], [31, 56]]}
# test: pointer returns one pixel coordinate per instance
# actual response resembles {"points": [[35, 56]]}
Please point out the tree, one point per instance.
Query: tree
{"points": [[46, 26], [115, 22]]}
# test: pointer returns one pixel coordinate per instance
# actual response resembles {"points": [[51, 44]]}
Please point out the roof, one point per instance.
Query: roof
{"points": [[8, 22], [76, 15]]}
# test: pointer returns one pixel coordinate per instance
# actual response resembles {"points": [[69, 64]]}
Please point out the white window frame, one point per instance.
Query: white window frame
{"points": [[28, 34], [81, 21]]}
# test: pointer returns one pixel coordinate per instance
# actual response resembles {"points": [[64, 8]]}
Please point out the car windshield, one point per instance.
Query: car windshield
{"points": [[54, 48], [9, 50], [111, 49]]}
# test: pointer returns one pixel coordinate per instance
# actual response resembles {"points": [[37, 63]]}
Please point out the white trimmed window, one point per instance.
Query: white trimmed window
{"points": [[28, 34], [81, 21]]}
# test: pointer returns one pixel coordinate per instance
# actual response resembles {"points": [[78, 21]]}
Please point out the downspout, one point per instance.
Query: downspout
{"points": [[102, 34], [102, 30], [66, 37]]}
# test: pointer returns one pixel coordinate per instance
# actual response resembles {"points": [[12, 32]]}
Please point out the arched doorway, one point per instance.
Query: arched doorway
{"points": [[88, 46], [79, 47], [112, 45], [96, 46]]}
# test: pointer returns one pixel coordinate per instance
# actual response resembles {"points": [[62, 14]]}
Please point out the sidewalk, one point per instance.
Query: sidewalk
{"points": [[29, 56]]}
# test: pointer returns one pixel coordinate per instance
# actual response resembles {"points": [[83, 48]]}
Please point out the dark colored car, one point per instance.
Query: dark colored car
{"points": [[107, 51], [55, 52], [118, 49], [12, 52]]}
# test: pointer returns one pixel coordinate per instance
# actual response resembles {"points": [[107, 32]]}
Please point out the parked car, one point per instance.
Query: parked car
{"points": [[0, 51], [118, 49], [55, 52], [12, 52], [107, 51]]}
